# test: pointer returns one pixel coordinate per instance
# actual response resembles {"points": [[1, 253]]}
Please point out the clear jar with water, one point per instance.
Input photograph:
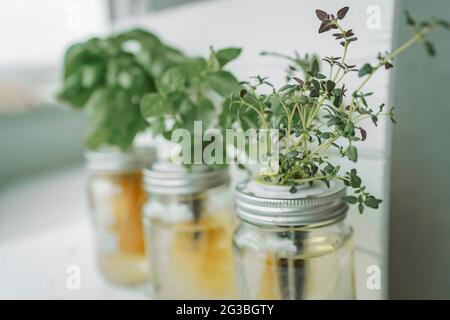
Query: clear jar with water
{"points": [[116, 196], [293, 246], [188, 226]]}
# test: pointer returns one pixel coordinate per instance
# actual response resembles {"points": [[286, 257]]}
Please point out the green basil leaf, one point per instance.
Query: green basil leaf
{"points": [[173, 79], [153, 105], [227, 54], [224, 83]]}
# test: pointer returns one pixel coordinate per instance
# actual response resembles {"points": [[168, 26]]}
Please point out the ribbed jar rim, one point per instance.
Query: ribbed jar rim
{"points": [[116, 160], [266, 204], [168, 178]]}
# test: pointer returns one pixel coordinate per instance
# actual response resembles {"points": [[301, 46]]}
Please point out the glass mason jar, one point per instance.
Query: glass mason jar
{"points": [[188, 228], [293, 246], [116, 197]]}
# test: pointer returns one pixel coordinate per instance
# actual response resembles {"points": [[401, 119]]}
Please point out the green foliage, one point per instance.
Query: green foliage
{"points": [[316, 113], [366, 69], [114, 118], [107, 77], [226, 55], [352, 153], [194, 90]]}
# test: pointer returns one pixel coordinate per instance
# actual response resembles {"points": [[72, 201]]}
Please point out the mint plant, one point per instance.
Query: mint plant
{"points": [[316, 111], [107, 79], [195, 90]]}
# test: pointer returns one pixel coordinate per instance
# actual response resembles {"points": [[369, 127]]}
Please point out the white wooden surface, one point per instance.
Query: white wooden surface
{"points": [[45, 228]]}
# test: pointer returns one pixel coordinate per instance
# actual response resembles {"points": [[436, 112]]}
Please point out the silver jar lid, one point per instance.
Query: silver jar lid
{"points": [[273, 205], [116, 160], [169, 178]]}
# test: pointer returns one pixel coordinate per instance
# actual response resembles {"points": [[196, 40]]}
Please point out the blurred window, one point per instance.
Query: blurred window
{"points": [[124, 9], [34, 35]]}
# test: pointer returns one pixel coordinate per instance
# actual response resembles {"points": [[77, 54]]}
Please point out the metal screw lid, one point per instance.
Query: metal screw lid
{"points": [[116, 160], [169, 178], [261, 203]]}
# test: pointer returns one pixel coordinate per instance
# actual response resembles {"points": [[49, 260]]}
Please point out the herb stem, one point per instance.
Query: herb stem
{"points": [[260, 114], [410, 42], [344, 56]]}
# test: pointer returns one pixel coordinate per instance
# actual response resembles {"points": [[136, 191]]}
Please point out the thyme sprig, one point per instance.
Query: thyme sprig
{"points": [[315, 111]]}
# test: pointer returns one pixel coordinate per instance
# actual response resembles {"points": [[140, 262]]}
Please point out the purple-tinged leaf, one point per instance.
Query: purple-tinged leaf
{"points": [[300, 81], [325, 26], [363, 134], [342, 13], [388, 65], [322, 15]]}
